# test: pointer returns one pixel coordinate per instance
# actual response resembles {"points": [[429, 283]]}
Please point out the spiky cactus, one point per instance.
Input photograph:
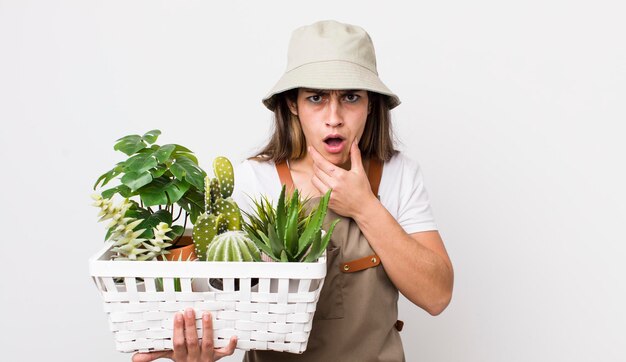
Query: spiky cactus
{"points": [[221, 212], [233, 246], [204, 230], [223, 170]]}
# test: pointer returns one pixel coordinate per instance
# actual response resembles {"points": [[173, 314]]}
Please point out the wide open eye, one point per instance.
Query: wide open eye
{"points": [[315, 99], [351, 97]]}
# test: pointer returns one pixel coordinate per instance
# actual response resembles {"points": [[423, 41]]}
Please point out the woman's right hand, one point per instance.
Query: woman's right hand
{"points": [[187, 348]]}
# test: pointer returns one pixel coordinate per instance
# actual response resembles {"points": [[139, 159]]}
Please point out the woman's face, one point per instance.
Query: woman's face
{"points": [[331, 120]]}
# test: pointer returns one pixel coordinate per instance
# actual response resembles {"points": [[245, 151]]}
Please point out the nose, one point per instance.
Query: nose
{"points": [[334, 118]]}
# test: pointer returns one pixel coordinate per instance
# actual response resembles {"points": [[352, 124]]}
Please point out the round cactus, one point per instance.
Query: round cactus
{"points": [[232, 246]]}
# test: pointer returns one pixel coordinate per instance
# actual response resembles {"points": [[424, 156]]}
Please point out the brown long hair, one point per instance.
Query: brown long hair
{"points": [[288, 143]]}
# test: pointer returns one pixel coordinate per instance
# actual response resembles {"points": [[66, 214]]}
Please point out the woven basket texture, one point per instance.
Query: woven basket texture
{"points": [[268, 306]]}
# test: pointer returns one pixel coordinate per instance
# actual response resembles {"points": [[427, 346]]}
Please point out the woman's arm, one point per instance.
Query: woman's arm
{"points": [[417, 264]]}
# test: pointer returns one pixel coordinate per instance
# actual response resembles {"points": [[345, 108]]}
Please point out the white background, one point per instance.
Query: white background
{"points": [[513, 109]]}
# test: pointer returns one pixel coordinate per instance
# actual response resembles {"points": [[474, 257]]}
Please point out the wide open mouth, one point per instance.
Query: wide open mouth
{"points": [[333, 140]]}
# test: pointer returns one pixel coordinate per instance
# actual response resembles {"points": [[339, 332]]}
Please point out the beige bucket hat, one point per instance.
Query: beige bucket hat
{"points": [[330, 55]]}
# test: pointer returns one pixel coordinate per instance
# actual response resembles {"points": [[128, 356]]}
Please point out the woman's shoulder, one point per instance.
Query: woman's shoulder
{"points": [[400, 162], [256, 174], [253, 178], [255, 166]]}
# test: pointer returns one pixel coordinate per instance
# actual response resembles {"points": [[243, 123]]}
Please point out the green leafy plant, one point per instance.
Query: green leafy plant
{"points": [[285, 232], [157, 185]]}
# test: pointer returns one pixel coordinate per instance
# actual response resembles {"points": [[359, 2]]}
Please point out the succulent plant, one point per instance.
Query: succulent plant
{"points": [[233, 246], [286, 233], [221, 213], [125, 232], [157, 246]]}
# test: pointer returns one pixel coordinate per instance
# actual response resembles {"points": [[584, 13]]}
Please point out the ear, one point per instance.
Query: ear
{"points": [[293, 107]]}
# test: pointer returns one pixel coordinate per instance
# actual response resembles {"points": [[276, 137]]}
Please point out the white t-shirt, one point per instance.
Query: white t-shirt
{"points": [[401, 190]]}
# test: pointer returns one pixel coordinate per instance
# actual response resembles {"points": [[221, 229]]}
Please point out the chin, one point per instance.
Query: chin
{"points": [[338, 160]]}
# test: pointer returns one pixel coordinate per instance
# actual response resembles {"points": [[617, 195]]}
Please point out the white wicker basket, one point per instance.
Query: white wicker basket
{"points": [[275, 314]]}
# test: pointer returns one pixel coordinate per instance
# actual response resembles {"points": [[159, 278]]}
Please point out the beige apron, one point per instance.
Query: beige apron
{"points": [[356, 316]]}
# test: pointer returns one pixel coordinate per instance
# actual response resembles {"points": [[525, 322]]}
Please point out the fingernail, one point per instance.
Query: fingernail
{"points": [[206, 316], [178, 317], [189, 312]]}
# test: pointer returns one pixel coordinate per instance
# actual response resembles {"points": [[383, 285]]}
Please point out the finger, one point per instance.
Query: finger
{"points": [[319, 185], [356, 162], [207, 336], [191, 334], [228, 350], [325, 169], [151, 356], [180, 349], [322, 163], [323, 176]]}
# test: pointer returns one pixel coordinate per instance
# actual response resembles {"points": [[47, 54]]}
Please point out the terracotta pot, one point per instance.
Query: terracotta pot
{"points": [[185, 250]]}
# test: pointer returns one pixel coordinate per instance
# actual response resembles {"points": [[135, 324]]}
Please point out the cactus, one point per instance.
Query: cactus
{"points": [[213, 194], [230, 211], [204, 230], [221, 212], [223, 170], [233, 246]]}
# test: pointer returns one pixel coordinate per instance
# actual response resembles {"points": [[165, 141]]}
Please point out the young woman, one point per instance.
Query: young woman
{"points": [[333, 131]]}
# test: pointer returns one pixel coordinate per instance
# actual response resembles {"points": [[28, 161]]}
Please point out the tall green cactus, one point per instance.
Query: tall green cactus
{"points": [[221, 212], [213, 193], [204, 230], [223, 170]]}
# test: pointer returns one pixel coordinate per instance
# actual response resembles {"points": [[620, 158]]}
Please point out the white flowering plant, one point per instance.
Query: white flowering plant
{"points": [[161, 187]]}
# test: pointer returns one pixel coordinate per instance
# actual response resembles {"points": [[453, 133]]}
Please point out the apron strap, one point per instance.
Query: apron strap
{"points": [[374, 174], [285, 176]]}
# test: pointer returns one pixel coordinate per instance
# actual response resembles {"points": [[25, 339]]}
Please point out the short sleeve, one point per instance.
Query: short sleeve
{"points": [[414, 211], [245, 185]]}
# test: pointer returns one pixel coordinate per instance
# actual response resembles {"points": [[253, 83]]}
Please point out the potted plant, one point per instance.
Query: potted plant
{"points": [[161, 188], [217, 233], [285, 233]]}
